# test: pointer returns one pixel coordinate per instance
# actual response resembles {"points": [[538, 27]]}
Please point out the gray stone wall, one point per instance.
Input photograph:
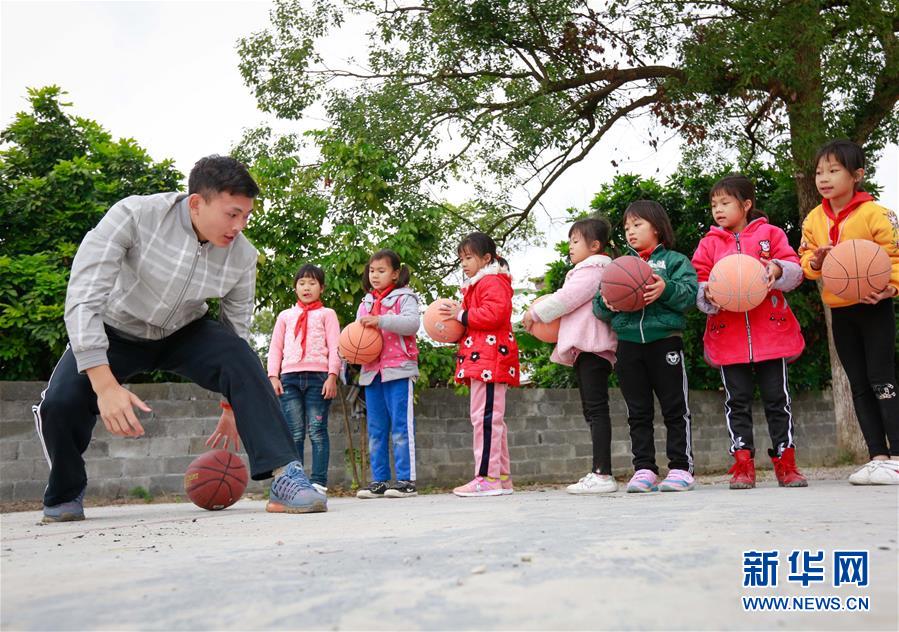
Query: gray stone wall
{"points": [[548, 439]]}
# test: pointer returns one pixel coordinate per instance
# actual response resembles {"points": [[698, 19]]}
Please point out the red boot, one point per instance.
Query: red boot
{"points": [[785, 469], [743, 470]]}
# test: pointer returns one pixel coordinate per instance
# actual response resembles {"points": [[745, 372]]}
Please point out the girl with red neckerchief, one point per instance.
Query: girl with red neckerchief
{"points": [[864, 332], [303, 365]]}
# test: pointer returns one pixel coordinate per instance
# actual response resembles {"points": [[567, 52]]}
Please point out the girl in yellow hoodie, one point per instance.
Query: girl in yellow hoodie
{"points": [[864, 332]]}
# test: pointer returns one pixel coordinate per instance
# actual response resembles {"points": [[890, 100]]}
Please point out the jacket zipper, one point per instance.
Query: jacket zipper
{"points": [[190, 276], [746, 314]]}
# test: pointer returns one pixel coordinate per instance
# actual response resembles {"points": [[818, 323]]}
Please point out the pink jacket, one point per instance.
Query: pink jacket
{"points": [[399, 324], [579, 330], [769, 331], [322, 332]]}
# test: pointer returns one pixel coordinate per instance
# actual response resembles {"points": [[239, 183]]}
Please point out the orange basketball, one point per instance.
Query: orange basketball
{"points": [[215, 480], [439, 328], [624, 282], [547, 332], [738, 283], [359, 344], [855, 268]]}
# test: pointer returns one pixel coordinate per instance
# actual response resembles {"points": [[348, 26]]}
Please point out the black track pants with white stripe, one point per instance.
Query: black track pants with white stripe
{"points": [[205, 352], [739, 382], [656, 368]]}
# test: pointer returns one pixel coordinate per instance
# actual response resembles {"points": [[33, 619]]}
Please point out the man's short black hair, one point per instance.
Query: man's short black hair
{"points": [[215, 174]]}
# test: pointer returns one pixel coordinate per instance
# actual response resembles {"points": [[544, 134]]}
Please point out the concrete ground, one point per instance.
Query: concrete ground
{"points": [[534, 560]]}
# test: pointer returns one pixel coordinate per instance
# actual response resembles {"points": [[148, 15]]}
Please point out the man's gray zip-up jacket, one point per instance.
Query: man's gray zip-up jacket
{"points": [[143, 271]]}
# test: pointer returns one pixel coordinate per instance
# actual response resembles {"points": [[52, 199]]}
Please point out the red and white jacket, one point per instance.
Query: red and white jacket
{"points": [[488, 351], [769, 331]]}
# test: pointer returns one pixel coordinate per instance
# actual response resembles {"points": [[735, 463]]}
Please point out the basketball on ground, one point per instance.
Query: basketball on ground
{"points": [[624, 282], [439, 328], [855, 268], [359, 344], [215, 480], [738, 283]]}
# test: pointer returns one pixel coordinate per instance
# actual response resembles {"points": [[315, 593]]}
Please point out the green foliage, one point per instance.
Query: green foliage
{"points": [[141, 493], [685, 197], [58, 175]]}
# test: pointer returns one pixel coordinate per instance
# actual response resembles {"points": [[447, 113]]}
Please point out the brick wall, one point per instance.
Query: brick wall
{"points": [[548, 439]]}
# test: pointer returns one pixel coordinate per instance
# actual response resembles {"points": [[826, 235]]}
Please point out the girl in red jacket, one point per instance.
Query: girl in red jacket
{"points": [[487, 360], [752, 347]]}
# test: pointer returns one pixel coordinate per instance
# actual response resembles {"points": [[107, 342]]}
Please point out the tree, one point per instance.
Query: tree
{"points": [[509, 94], [58, 175], [335, 209]]}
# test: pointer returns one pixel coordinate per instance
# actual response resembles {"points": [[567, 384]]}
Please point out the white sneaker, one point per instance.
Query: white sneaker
{"points": [[886, 473], [863, 475], [594, 483], [321, 489]]}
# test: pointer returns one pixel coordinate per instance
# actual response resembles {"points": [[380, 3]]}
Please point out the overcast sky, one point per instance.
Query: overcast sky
{"points": [[165, 73]]}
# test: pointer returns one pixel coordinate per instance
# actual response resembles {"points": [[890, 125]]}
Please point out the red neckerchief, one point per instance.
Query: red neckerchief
{"points": [[646, 254], [380, 296], [300, 328], [857, 200]]}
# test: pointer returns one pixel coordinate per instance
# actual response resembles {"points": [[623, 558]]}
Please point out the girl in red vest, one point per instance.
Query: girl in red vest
{"points": [[752, 348], [487, 360], [392, 308]]}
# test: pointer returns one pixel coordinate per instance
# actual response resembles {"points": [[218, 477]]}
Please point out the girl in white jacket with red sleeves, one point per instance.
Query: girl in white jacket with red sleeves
{"points": [[586, 343]]}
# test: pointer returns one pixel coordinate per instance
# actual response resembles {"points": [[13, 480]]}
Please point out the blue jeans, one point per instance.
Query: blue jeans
{"points": [[389, 411], [307, 413]]}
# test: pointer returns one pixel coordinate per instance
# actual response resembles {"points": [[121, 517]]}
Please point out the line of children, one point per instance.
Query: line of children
{"points": [[750, 349]]}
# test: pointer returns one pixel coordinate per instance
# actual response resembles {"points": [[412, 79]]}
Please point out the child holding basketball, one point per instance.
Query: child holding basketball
{"points": [[303, 365], [864, 331], [650, 350], [752, 348], [586, 343], [487, 360], [393, 308]]}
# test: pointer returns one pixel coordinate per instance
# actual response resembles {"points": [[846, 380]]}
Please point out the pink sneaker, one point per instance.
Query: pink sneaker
{"points": [[480, 486], [507, 485]]}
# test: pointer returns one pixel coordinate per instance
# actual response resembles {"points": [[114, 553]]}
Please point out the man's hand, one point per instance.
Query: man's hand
{"points": [[818, 258], [773, 273], [875, 297], [276, 384], [652, 291], [225, 431], [370, 321], [329, 389], [116, 403]]}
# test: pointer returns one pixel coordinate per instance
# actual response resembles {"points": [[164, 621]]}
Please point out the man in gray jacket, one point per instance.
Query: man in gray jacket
{"points": [[136, 302]]}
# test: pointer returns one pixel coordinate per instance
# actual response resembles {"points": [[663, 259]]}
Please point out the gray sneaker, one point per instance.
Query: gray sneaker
{"points": [[67, 511], [291, 492]]}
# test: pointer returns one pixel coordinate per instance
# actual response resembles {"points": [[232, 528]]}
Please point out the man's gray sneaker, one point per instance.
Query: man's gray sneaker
{"points": [[67, 511], [291, 492]]}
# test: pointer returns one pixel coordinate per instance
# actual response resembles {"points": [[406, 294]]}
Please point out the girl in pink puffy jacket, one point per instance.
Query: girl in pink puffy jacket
{"points": [[752, 348], [586, 343]]}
